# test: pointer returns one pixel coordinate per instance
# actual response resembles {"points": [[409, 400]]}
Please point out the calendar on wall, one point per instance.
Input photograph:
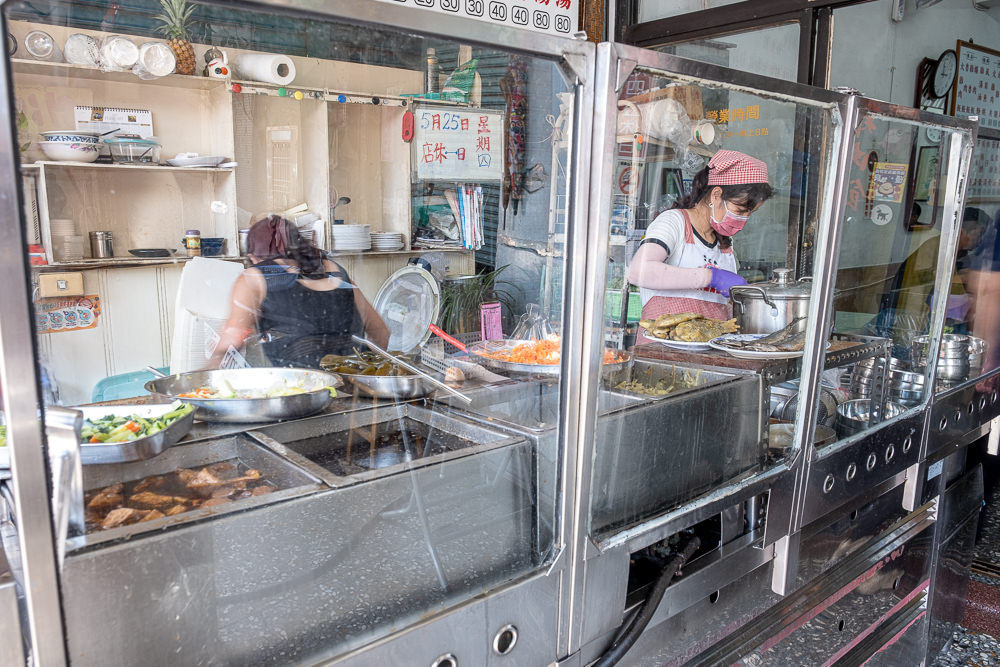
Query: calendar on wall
{"points": [[977, 84]]}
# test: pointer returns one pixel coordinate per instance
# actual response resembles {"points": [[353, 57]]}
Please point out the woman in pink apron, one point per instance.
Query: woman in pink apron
{"points": [[686, 262]]}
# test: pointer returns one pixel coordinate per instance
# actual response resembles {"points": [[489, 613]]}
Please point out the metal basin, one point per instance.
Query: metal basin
{"points": [[278, 408], [390, 386], [853, 416], [134, 450]]}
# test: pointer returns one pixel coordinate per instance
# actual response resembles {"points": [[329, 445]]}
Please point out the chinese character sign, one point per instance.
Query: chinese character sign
{"points": [[977, 83], [451, 144], [558, 17]]}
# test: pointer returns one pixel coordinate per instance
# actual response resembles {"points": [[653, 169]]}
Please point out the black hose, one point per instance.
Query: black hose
{"points": [[621, 646]]}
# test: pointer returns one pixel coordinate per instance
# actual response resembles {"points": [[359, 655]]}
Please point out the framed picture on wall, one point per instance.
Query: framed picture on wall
{"points": [[925, 180]]}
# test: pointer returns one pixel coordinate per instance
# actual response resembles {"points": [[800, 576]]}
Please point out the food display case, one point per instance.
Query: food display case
{"points": [[537, 509]]}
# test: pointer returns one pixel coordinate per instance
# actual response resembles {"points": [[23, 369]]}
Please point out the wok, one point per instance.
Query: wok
{"points": [[277, 408]]}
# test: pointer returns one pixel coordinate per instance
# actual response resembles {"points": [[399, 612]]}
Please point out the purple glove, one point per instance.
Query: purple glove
{"points": [[722, 281]]}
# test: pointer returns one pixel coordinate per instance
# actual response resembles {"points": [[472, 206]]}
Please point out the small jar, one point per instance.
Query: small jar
{"points": [[192, 242]]}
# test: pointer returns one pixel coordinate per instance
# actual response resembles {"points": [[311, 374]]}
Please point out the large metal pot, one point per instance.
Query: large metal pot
{"points": [[769, 306]]}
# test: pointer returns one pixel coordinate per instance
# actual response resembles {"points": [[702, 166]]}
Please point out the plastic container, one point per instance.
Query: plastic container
{"points": [[134, 150], [213, 246], [192, 242]]}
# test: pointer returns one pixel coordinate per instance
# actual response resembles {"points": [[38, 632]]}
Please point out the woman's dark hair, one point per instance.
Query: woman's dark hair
{"points": [[746, 195], [275, 237]]}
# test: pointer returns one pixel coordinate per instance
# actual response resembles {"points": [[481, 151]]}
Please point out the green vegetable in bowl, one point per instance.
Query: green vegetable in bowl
{"points": [[3, 436], [120, 428]]}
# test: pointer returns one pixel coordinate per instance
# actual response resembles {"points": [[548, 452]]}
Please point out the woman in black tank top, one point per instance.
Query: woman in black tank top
{"points": [[302, 305]]}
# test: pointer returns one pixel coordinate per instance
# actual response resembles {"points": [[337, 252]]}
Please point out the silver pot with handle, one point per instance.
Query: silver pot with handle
{"points": [[769, 306]]}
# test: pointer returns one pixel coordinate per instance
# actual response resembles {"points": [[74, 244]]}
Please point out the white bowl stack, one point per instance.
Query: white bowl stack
{"points": [[67, 242], [351, 238], [386, 241]]}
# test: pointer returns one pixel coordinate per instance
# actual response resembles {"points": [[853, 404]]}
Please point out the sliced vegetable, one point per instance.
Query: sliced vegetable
{"points": [[123, 428]]}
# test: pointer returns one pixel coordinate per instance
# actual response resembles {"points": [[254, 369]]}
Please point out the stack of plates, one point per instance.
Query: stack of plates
{"points": [[386, 241], [67, 242], [351, 237]]}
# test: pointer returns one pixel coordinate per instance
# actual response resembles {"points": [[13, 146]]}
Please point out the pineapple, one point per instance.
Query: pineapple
{"points": [[176, 19]]}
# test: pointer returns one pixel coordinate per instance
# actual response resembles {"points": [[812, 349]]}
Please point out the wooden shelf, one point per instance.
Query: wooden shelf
{"points": [[119, 262], [136, 167], [90, 73]]}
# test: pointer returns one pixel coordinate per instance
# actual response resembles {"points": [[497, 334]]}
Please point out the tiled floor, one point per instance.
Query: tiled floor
{"points": [[976, 642]]}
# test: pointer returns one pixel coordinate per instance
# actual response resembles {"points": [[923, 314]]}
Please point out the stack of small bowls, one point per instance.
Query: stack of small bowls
{"points": [[71, 145], [853, 416], [906, 387], [977, 351], [953, 357], [863, 375]]}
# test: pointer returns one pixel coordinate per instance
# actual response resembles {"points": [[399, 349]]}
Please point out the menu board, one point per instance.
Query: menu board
{"points": [[984, 172], [977, 84], [455, 144], [558, 17]]}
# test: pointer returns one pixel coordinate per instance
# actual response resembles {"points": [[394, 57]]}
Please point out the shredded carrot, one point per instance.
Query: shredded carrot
{"points": [[201, 392], [545, 352]]}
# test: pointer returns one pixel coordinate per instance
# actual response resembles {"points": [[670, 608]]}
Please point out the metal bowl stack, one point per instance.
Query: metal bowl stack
{"points": [[977, 351], [863, 375], [906, 387], [853, 416], [953, 356]]}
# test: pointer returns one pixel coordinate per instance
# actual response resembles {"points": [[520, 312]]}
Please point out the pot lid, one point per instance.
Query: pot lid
{"points": [[779, 287], [409, 301]]}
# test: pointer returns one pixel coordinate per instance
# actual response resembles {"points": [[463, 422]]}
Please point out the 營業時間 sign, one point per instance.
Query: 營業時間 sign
{"points": [[558, 17], [451, 144]]}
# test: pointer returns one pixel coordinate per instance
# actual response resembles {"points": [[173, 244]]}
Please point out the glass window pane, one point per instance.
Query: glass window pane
{"points": [[772, 51], [675, 248], [885, 289], [262, 217]]}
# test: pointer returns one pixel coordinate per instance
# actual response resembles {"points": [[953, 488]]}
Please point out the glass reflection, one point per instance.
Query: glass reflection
{"points": [[713, 215]]}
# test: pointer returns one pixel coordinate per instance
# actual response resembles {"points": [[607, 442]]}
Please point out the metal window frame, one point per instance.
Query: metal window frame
{"points": [[815, 21]]}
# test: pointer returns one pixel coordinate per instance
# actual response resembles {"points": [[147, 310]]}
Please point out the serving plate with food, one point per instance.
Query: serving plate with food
{"points": [[786, 343], [123, 433], [537, 357], [687, 331], [250, 394]]}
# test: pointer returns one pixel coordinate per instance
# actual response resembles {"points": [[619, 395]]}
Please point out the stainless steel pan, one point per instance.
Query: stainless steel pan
{"points": [[278, 408]]}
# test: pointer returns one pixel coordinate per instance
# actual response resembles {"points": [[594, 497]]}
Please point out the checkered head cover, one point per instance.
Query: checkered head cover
{"points": [[735, 168]]}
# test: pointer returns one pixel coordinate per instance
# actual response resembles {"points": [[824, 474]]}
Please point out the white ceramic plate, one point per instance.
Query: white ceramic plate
{"points": [[679, 344], [200, 161], [716, 344]]}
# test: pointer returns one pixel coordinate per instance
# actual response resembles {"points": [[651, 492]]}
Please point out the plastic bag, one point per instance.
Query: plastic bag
{"points": [[118, 53]]}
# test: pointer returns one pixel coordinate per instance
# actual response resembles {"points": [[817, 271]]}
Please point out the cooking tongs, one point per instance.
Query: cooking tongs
{"points": [[413, 369]]}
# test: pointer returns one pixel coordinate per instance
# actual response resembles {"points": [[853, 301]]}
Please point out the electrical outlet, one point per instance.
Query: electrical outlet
{"points": [[60, 284]]}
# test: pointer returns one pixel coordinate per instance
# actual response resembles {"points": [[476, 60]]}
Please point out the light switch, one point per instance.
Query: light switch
{"points": [[60, 284]]}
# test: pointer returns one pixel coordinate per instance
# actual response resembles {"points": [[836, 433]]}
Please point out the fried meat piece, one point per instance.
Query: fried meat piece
{"points": [[703, 330], [215, 502], [176, 509], [153, 514], [185, 475], [107, 498], [151, 483], [151, 501], [261, 490], [123, 516]]}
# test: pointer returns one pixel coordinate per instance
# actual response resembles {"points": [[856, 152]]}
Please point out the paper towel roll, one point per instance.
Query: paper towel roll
{"points": [[265, 67]]}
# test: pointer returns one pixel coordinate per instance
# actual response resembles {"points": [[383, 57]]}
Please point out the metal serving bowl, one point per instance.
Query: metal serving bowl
{"points": [[390, 386], [141, 448], [316, 397], [853, 416]]}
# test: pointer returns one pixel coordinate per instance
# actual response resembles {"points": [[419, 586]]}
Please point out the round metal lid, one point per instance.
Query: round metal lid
{"points": [[780, 287], [409, 301]]}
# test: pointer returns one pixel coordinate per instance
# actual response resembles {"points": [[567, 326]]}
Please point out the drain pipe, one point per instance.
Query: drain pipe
{"points": [[621, 646]]}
